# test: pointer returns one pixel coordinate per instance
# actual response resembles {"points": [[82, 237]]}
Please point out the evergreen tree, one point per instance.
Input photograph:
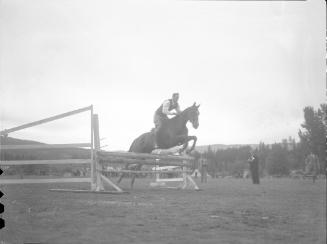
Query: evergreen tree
{"points": [[313, 136], [263, 151], [277, 163]]}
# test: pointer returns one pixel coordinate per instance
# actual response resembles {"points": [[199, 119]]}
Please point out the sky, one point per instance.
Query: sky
{"points": [[252, 66]]}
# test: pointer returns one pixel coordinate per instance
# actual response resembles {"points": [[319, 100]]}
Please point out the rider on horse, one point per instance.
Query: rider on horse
{"points": [[165, 109], [168, 133]]}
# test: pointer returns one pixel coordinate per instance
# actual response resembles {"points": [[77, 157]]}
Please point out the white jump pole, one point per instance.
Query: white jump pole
{"points": [[93, 165]]}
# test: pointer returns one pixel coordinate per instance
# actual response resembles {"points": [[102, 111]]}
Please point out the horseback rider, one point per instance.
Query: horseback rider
{"points": [[165, 109]]}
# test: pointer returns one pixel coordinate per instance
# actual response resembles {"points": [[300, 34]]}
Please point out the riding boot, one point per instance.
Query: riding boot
{"points": [[155, 131], [155, 143]]}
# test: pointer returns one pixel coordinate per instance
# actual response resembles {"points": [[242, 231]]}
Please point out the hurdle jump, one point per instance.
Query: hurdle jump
{"points": [[161, 182], [184, 179], [157, 158], [97, 158]]}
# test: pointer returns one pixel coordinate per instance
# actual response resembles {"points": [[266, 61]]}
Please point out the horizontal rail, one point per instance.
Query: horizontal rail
{"points": [[120, 160], [109, 155], [57, 161], [88, 191], [37, 181], [169, 179], [59, 116], [38, 146], [145, 171]]}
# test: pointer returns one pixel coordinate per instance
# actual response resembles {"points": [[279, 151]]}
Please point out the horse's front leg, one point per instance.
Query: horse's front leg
{"points": [[194, 138], [185, 139], [185, 145]]}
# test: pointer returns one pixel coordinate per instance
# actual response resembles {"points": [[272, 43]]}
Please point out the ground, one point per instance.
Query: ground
{"points": [[226, 211]]}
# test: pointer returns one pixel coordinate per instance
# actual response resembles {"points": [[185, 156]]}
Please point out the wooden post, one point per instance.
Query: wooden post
{"points": [[97, 173], [184, 178], [93, 165]]}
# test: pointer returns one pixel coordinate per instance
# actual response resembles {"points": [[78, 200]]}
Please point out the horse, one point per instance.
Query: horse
{"points": [[173, 132]]}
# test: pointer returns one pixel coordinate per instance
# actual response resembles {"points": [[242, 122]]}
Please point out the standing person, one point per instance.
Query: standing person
{"points": [[254, 168]]}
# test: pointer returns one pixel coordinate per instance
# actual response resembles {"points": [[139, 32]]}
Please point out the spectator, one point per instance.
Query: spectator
{"points": [[254, 168]]}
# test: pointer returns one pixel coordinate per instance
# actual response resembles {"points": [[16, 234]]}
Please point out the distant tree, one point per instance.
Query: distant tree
{"points": [[229, 161], [243, 153], [196, 155], [219, 160], [294, 156], [277, 163], [211, 160], [313, 135], [237, 168], [262, 152], [297, 156]]}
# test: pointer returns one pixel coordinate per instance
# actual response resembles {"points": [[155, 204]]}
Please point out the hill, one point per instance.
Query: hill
{"points": [[84, 153], [40, 154], [14, 141], [215, 147]]}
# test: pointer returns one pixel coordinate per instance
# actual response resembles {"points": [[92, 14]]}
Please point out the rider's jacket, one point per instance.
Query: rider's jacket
{"points": [[166, 107]]}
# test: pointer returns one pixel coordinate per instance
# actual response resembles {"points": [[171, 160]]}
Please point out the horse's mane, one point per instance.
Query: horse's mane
{"points": [[182, 113], [185, 110]]}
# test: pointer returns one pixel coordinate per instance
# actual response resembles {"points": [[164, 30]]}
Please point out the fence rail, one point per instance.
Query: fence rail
{"points": [[116, 160], [37, 162], [40, 146], [146, 171], [42, 121], [89, 161], [37, 181], [109, 155]]}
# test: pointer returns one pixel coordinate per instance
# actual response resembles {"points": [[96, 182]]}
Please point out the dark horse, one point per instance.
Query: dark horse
{"points": [[173, 132]]}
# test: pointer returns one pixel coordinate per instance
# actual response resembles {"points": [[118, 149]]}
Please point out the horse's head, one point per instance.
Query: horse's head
{"points": [[193, 115]]}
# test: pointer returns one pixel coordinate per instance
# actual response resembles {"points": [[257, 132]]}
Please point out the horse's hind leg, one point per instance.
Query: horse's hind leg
{"points": [[138, 167], [122, 175], [120, 178], [132, 181]]}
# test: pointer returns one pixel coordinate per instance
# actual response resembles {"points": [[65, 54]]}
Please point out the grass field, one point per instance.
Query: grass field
{"points": [[225, 211]]}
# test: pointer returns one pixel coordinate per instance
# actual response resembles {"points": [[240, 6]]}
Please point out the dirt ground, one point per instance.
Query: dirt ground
{"points": [[226, 211]]}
